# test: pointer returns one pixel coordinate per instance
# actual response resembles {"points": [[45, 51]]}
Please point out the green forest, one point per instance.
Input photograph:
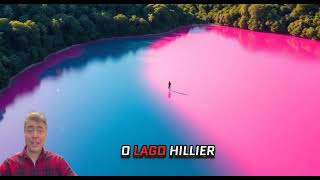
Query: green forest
{"points": [[30, 32]]}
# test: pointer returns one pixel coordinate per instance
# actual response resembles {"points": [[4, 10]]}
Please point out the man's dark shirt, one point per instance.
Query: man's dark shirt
{"points": [[48, 164]]}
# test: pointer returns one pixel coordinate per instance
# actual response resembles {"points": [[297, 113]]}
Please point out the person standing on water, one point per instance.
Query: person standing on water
{"points": [[169, 85]]}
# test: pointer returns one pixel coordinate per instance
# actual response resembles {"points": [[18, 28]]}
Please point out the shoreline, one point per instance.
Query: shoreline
{"points": [[91, 42], [136, 36]]}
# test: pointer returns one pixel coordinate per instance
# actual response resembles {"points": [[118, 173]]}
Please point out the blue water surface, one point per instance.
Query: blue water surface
{"points": [[97, 102]]}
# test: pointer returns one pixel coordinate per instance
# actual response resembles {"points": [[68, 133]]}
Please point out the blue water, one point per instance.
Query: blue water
{"points": [[97, 102]]}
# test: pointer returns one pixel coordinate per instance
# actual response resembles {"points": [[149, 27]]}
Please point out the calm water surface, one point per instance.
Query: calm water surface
{"points": [[253, 95]]}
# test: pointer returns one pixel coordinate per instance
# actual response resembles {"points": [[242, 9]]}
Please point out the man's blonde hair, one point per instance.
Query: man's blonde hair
{"points": [[37, 117]]}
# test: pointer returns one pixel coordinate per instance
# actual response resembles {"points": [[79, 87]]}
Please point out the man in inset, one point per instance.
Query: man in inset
{"points": [[34, 160]]}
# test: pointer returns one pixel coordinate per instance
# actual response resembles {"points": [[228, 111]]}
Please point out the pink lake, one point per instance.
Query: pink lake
{"points": [[255, 95]]}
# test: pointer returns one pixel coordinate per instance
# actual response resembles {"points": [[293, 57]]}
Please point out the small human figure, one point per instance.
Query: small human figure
{"points": [[169, 85]]}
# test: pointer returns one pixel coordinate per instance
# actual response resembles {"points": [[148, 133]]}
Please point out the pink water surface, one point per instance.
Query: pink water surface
{"points": [[28, 80], [256, 96]]}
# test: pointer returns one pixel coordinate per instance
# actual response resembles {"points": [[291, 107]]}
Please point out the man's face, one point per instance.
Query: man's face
{"points": [[35, 134]]}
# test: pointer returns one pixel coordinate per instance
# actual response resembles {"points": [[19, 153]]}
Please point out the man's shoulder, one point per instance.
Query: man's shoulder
{"points": [[14, 158], [53, 156]]}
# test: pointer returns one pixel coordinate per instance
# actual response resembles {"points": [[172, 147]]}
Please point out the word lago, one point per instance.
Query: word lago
{"points": [[174, 151]]}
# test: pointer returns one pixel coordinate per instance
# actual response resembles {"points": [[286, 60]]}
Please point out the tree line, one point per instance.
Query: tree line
{"points": [[29, 32]]}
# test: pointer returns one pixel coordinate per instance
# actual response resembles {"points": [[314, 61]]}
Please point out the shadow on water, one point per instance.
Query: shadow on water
{"points": [[77, 58], [182, 93], [169, 93]]}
